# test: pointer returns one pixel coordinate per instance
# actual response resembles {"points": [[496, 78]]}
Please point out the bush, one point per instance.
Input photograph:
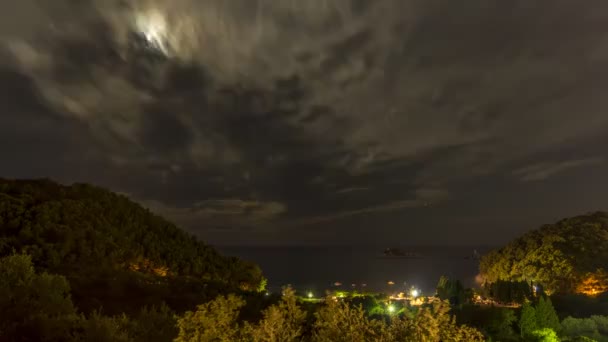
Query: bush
{"points": [[580, 327], [545, 335], [213, 321], [33, 307], [339, 321]]}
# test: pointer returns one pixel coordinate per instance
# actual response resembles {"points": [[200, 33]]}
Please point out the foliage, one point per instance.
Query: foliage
{"points": [[451, 290], [339, 321], [262, 285], [496, 323], [545, 335], [282, 322], [503, 291], [500, 325], [219, 320], [335, 320], [99, 328], [527, 321], [78, 225], [370, 304], [559, 256], [213, 321], [546, 317], [435, 323], [602, 324], [153, 324], [593, 283], [33, 306], [580, 327], [115, 253], [38, 307]]}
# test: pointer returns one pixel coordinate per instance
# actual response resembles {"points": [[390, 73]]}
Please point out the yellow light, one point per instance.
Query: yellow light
{"points": [[310, 295]]}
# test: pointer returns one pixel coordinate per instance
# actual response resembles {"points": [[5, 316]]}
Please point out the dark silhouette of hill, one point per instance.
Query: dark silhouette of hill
{"points": [[568, 256], [112, 250]]}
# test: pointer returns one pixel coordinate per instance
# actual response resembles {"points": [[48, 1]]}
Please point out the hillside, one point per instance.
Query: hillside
{"points": [[568, 256], [91, 235]]}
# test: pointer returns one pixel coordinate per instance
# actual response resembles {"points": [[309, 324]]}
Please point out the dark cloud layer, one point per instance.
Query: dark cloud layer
{"points": [[344, 121]]}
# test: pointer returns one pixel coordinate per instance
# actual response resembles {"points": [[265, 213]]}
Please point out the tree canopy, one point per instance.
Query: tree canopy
{"points": [[106, 244], [335, 320], [568, 256]]}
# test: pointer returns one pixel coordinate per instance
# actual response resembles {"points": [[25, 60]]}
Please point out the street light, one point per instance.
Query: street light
{"points": [[310, 295], [414, 293], [391, 309]]}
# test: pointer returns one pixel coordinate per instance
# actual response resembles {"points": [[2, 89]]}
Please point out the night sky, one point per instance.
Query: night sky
{"points": [[291, 122]]}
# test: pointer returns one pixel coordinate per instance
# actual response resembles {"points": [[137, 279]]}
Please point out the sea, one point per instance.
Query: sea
{"points": [[363, 268]]}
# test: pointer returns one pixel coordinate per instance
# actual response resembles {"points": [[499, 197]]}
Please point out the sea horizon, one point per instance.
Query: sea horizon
{"points": [[360, 267]]}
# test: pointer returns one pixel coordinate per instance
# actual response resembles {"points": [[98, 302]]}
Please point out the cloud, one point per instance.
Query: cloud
{"points": [[225, 214], [351, 190], [435, 95], [188, 101], [422, 198], [542, 171]]}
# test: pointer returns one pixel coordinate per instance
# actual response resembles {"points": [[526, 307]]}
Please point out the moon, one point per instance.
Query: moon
{"points": [[153, 26]]}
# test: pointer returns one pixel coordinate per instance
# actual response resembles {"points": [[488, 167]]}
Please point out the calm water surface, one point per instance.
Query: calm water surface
{"points": [[318, 268]]}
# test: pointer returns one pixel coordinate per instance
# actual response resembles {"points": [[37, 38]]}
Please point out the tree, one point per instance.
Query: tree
{"points": [[99, 328], [546, 317], [218, 320], [452, 290], [33, 306], [580, 327], [116, 254], [213, 321], [545, 335], [38, 307], [68, 229], [337, 321], [153, 324], [430, 323], [602, 323], [282, 322], [500, 324], [527, 321], [566, 256], [263, 284]]}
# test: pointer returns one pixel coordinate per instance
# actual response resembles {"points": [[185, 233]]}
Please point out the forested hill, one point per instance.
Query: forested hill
{"points": [[568, 256], [83, 229]]}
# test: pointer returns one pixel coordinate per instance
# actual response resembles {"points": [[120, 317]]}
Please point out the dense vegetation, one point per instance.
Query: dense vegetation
{"points": [[37, 307], [566, 257], [113, 251], [79, 263]]}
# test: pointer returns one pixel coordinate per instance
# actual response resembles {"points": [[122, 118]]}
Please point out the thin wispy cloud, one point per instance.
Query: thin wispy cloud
{"points": [[351, 190], [421, 198], [545, 170], [307, 110]]}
